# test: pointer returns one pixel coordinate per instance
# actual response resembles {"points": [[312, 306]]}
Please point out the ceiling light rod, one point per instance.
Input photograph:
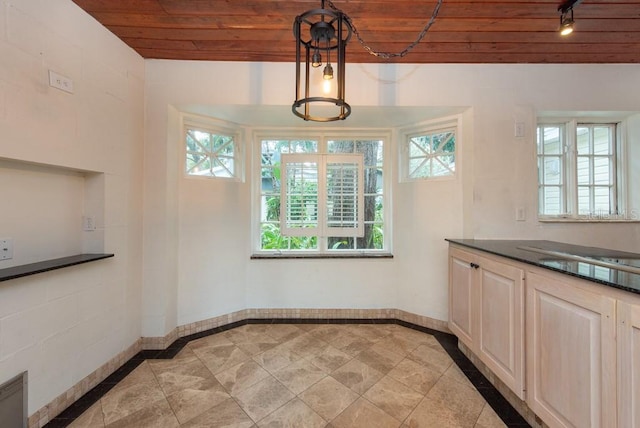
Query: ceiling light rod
{"points": [[387, 55], [568, 6]]}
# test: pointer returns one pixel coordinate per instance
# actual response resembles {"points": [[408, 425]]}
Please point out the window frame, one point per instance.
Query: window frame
{"points": [[428, 128], [322, 138], [214, 127], [569, 164]]}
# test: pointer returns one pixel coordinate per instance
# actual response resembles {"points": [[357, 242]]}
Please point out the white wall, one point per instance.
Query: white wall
{"points": [[497, 175], [62, 325]]}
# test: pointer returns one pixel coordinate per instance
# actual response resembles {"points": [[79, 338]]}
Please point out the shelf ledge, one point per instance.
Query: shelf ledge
{"points": [[49, 265]]}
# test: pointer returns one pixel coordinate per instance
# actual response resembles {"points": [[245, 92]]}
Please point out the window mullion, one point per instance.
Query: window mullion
{"points": [[570, 194], [322, 197]]}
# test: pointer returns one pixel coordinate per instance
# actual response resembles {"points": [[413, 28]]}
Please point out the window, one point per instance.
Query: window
{"points": [[211, 152], [578, 170], [322, 195], [429, 154]]}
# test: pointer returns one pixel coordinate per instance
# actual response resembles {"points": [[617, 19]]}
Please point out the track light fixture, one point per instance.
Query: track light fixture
{"points": [[322, 35], [566, 16]]}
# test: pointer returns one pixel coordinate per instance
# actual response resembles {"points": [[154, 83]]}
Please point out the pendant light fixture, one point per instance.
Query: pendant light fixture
{"points": [[321, 37], [321, 41]]}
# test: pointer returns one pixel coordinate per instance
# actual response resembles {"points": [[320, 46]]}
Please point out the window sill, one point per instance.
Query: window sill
{"points": [[278, 256], [587, 220]]}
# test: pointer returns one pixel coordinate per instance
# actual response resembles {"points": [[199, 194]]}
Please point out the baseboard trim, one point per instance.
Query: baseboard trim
{"points": [[164, 342]]}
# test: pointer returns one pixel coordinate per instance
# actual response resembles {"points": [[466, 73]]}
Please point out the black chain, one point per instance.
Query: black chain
{"points": [[388, 55]]}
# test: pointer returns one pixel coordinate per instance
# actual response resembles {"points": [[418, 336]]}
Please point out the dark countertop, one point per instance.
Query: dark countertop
{"points": [[49, 265], [591, 271]]}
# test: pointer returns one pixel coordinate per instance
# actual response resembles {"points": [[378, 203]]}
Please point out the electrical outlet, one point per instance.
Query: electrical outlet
{"points": [[88, 223], [6, 248], [521, 214], [61, 82]]}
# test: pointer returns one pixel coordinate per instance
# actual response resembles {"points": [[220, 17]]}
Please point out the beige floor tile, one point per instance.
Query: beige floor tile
{"points": [[345, 375], [357, 376], [430, 414], [415, 336], [210, 341], [191, 402], [328, 398], [330, 359], [414, 375], [363, 414], [351, 344], [263, 398], [284, 332], [299, 375], [250, 340], [380, 358], [465, 402], [371, 332], [91, 418], [276, 358], [224, 415], [294, 414], [393, 397], [307, 345], [220, 358], [431, 357], [489, 419], [182, 374], [158, 414], [242, 376], [327, 331], [397, 344], [141, 374], [135, 392], [454, 372]]}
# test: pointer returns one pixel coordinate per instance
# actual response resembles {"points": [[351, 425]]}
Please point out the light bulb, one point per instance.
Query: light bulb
{"points": [[566, 28], [326, 86]]}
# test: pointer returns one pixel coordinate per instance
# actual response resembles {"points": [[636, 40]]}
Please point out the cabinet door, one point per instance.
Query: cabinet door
{"points": [[571, 354], [628, 365], [501, 329], [461, 296]]}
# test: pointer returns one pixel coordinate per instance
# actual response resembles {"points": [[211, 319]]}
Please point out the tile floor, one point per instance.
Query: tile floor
{"points": [[299, 375]]}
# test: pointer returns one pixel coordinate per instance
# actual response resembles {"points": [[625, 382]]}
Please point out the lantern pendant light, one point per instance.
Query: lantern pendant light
{"points": [[321, 39]]}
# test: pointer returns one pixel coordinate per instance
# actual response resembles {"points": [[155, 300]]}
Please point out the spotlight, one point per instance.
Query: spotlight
{"points": [[566, 16]]}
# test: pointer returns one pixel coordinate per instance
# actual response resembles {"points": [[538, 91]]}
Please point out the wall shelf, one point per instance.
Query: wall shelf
{"points": [[49, 265]]}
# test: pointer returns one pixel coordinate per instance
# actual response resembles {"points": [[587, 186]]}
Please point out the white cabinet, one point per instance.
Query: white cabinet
{"points": [[486, 313], [571, 353], [629, 363], [461, 296]]}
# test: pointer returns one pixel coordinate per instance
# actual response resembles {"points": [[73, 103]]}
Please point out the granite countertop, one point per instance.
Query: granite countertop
{"points": [[589, 263]]}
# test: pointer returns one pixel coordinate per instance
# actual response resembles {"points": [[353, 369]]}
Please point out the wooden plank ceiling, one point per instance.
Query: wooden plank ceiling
{"points": [[465, 31]]}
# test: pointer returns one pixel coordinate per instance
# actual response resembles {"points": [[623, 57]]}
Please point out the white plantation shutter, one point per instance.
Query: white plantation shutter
{"points": [[322, 195], [344, 195], [299, 195]]}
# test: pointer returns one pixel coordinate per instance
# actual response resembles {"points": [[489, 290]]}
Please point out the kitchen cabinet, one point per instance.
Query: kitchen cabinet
{"points": [[486, 312], [629, 363], [571, 352]]}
